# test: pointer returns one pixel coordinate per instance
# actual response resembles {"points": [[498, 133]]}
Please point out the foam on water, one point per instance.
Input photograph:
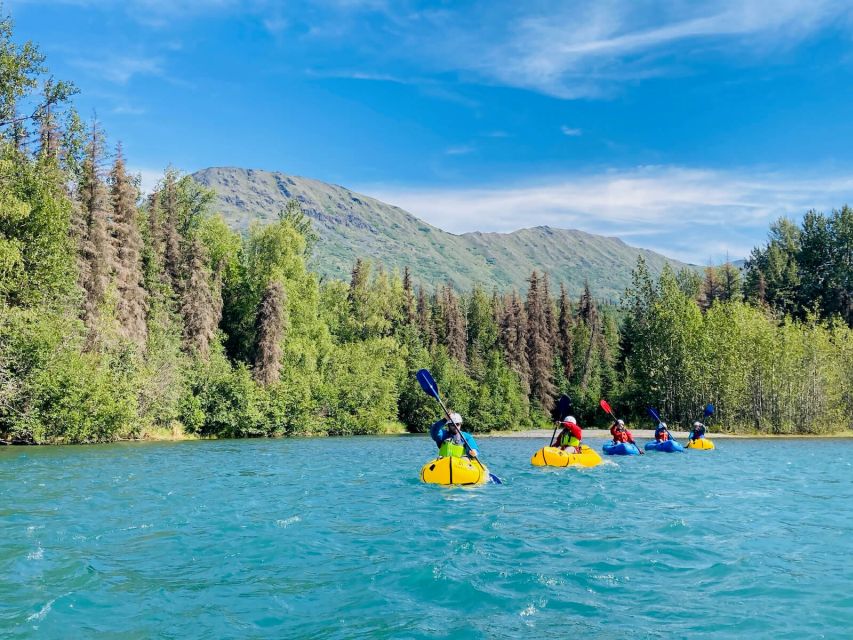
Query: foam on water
{"points": [[339, 539]]}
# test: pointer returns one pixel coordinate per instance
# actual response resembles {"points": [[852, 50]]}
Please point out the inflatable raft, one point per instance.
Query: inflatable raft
{"points": [[621, 449], [449, 470], [556, 457], [669, 446], [701, 443]]}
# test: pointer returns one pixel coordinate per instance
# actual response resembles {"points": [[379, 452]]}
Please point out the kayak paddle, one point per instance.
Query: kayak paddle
{"points": [[707, 413], [561, 410], [428, 384], [606, 406], [656, 418]]}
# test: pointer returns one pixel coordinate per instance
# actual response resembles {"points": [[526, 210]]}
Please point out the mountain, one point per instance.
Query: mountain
{"points": [[351, 225]]}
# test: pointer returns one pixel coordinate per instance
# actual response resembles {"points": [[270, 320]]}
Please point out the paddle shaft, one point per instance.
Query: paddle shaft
{"points": [[461, 435]]}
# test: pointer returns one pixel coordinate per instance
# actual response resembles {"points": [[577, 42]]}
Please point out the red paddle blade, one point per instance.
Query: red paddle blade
{"points": [[606, 406]]}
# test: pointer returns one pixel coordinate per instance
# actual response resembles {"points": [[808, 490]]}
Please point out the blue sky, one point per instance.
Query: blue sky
{"points": [[684, 127]]}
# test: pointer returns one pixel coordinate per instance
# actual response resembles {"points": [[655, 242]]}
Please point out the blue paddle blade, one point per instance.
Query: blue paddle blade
{"points": [[562, 408], [653, 414], [709, 410], [494, 479], [427, 383]]}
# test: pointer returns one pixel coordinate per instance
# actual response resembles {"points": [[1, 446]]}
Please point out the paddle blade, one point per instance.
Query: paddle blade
{"points": [[606, 407], [427, 383], [654, 414], [494, 479], [709, 410], [562, 408]]}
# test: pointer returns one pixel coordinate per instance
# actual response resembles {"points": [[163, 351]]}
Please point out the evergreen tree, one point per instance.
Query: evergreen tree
{"points": [[198, 306], [132, 305], [565, 342], [96, 264], [168, 234], [272, 323], [454, 335], [539, 343], [409, 306]]}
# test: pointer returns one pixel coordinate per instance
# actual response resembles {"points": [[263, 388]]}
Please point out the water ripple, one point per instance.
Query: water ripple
{"points": [[338, 539]]}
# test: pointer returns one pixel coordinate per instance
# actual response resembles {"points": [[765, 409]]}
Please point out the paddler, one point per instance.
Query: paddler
{"points": [[619, 424], [570, 436], [448, 436], [698, 431], [622, 434], [662, 434]]}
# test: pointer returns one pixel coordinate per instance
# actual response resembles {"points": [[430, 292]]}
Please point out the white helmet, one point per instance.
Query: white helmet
{"points": [[455, 418], [662, 424], [570, 419], [698, 424], [621, 422]]}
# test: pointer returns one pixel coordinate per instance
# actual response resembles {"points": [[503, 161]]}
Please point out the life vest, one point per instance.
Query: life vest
{"points": [[662, 436], [450, 450], [621, 436], [568, 440]]}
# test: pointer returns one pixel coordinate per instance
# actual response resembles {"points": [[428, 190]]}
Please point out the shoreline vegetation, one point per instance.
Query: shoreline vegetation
{"points": [[123, 317]]}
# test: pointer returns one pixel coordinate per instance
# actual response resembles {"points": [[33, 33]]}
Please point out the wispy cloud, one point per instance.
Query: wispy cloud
{"points": [[121, 69], [690, 214], [127, 110], [570, 131], [564, 48], [587, 50], [460, 150]]}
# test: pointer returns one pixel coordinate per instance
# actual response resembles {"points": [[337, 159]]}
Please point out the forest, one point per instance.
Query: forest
{"points": [[126, 316]]}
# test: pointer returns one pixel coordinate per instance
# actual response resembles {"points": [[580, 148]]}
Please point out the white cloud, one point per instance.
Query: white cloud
{"points": [[583, 51], [571, 132], [121, 69], [127, 110], [460, 150], [690, 214], [148, 178]]}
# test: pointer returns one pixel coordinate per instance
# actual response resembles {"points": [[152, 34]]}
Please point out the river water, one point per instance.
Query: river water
{"points": [[337, 538]]}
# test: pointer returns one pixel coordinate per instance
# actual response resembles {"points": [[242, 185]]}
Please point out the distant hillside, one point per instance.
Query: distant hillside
{"points": [[351, 225]]}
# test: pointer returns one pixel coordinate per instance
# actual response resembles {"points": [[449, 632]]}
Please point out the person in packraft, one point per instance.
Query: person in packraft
{"points": [[619, 424], [661, 432], [623, 435], [698, 431], [570, 436], [451, 440]]}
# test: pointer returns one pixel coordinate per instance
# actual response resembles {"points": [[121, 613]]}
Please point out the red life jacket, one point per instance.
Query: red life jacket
{"points": [[622, 436], [663, 436]]}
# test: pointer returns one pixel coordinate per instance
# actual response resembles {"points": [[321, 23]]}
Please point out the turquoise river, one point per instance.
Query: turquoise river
{"points": [[337, 538]]}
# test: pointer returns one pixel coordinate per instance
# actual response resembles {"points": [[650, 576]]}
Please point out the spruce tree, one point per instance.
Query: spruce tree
{"points": [[271, 326], [198, 304], [455, 329], [588, 315], [95, 248], [426, 327], [132, 303], [169, 233], [409, 309], [565, 342], [539, 343]]}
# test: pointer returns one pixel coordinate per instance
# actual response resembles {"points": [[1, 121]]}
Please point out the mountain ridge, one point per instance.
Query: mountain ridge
{"points": [[352, 225]]}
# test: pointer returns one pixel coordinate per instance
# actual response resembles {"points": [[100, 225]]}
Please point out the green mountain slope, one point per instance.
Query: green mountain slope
{"points": [[351, 225]]}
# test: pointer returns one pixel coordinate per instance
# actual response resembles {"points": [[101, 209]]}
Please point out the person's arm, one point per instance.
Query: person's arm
{"points": [[472, 444], [436, 431]]}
